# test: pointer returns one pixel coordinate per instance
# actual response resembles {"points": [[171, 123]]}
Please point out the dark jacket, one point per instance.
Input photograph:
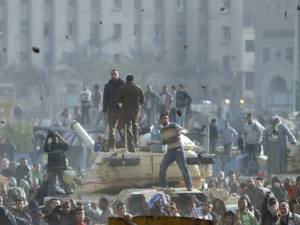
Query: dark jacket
{"points": [[96, 99], [8, 172], [279, 192], [42, 192], [58, 211], [110, 90], [267, 217], [157, 212], [56, 155], [23, 172], [21, 221], [183, 99], [132, 97], [213, 132], [36, 220], [7, 217]]}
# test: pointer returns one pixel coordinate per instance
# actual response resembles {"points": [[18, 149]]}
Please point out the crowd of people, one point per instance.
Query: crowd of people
{"points": [[261, 200], [253, 140]]}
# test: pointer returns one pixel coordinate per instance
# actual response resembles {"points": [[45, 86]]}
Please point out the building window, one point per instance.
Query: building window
{"points": [[118, 4], [266, 54], [117, 31], [180, 60], [71, 29], [136, 31], [179, 5], [2, 26], [226, 62], [247, 22], [24, 57], [94, 3], [158, 31], [290, 54], [249, 46], [202, 33], [201, 5], [249, 81], [227, 4], [71, 3], [47, 29], [158, 4], [24, 2], [24, 29], [117, 58], [47, 59], [180, 33], [94, 31], [137, 4], [47, 2], [226, 34]]}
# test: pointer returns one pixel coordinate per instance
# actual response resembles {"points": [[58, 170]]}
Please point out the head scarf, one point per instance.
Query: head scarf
{"points": [[155, 198]]}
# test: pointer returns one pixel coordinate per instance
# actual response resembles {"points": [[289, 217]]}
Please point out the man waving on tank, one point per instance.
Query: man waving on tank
{"points": [[171, 135]]}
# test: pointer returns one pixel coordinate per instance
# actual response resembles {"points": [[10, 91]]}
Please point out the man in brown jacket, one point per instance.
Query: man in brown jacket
{"points": [[131, 96]]}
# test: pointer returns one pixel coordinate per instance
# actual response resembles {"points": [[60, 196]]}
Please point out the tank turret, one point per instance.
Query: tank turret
{"points": [[112, 172]]}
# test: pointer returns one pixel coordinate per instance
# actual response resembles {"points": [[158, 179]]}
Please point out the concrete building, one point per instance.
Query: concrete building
{"points": [[213, 36], [274, 25]]}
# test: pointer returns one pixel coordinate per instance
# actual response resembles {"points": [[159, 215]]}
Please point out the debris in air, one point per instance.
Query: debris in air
{"points": [[36, 50], [179, 112]]}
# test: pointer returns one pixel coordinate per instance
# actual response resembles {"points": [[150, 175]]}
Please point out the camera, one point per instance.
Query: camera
{"points": [[51, 133]]}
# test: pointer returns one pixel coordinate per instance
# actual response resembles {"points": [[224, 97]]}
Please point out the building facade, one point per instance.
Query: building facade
{"points": [[213, 36], [274, 23]]}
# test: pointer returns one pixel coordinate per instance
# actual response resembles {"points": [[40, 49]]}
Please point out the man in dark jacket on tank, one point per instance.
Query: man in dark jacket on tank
{"points": [[110, 110], [56, 161], [131, 96]]}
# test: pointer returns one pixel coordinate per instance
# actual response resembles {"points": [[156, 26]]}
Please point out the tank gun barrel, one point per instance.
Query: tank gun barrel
{"points": [[83, 135]]}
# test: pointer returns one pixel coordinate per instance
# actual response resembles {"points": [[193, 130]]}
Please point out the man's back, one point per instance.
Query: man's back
{"points": [[132, 97]]}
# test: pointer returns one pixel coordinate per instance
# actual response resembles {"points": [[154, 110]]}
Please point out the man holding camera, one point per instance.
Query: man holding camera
{"points": [[56, 161]]}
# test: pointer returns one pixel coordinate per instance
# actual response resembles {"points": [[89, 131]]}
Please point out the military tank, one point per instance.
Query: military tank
{"points": [[118, 172]]}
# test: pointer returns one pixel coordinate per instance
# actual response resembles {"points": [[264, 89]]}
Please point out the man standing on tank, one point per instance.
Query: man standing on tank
{"points": [[110, 110], [171, 135], [131, 97]]}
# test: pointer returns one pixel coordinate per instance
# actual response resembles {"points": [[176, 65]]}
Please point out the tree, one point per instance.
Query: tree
{"points": [[141, 60], [19, 134]]}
